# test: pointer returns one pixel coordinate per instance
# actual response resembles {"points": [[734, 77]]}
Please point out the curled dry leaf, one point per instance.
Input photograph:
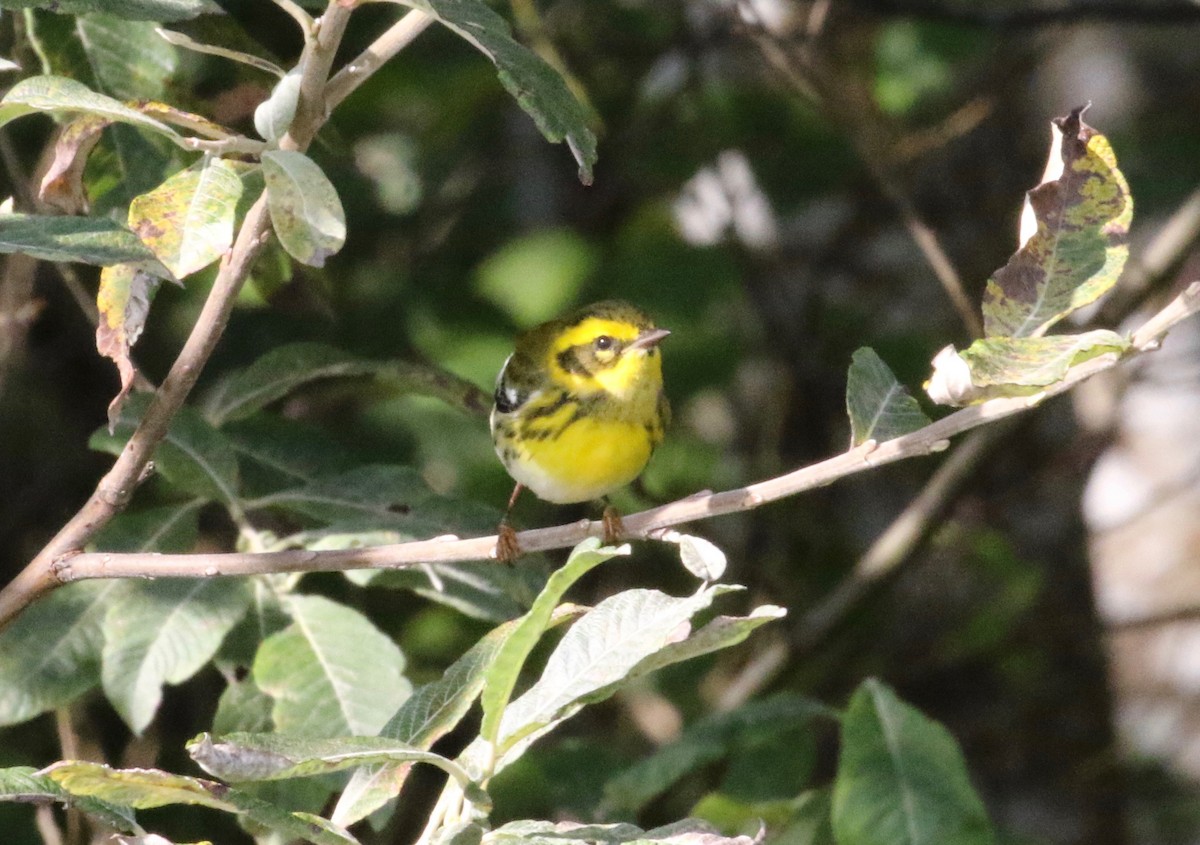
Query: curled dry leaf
{"points": [[62, 186], [124, 302]]}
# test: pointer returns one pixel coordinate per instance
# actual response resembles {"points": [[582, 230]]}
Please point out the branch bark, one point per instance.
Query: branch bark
{"points": [[646, 524], [360, 68]]}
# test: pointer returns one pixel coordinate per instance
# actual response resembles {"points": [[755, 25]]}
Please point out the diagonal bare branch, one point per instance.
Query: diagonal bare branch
{"points": [[116, 487]]}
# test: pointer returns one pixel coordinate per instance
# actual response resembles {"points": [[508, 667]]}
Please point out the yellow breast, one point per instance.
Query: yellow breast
{"points": [[565, 456]]}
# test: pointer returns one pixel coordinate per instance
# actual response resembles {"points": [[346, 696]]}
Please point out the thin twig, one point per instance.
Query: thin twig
{"points": [[828, 92], [1155, 262], [360, 68], [899, 543], [927, 241], [902, 539], [312, 110], [47, 827], [646, 524], [117, 486], [68, 745]]}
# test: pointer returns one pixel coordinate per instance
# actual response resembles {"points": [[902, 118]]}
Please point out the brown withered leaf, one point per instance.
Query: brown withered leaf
{"points": [[62, 186], [124, 302]]}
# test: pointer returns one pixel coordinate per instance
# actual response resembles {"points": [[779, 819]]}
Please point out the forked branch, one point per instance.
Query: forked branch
{"points": [[117, 486]]}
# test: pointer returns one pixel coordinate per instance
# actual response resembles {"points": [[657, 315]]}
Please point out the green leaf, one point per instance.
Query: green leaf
{"points": [[187, 221], [194, 456], [331, 672], [121, 58], [880, 408], [380, 495], [51, 654], [479, 590], [148, 788], [901, 778], [87, 240], [685, 832], [23, 784], [305, 210], [506, 668], [598, 652], [549, 710], [537, 87], [59, 95], [721, 633], [275, 452], [704, 742], [138, 788], [274, 756], [1014, 366], [169, 528], [1082, 211], [432, 711], [163, 632], [277, 374], [243, 707], [134, 10], [286, 368]]}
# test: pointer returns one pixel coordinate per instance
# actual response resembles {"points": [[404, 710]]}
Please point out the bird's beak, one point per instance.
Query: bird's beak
{"points": [[648, 340]]}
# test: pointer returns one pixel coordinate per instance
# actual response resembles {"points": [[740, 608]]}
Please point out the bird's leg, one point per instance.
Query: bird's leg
{"points": [[507, 547], [614, 529]]}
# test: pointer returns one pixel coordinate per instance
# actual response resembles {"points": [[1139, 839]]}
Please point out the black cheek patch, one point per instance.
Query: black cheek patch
{"points": [[569, 360]]}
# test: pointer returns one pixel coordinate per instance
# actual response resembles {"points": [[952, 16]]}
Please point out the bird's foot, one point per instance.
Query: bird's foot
{"points": [[508, 549], [614, 529]]}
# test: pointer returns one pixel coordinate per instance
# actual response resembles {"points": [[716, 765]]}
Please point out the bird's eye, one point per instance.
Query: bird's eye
{"points": [[604, 342]]}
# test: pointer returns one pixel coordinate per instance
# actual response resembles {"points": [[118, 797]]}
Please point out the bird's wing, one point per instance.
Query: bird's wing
{"points": [[511, 394]]}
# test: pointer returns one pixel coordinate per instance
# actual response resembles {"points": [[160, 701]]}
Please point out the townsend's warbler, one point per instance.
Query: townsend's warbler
{"points": [[579, 408]]}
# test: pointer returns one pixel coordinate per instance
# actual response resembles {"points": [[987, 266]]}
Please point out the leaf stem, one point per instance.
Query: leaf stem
{"points": [[301, 17], [449, 805]]}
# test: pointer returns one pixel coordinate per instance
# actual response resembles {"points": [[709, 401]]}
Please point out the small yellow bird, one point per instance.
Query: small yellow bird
{"points": [[579, 409]]}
